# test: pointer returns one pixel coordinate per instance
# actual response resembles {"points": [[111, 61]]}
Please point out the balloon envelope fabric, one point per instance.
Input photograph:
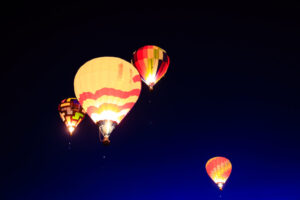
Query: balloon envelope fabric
{"points": [[71, 113], [152, 62], [219, 169], [107, 88]]}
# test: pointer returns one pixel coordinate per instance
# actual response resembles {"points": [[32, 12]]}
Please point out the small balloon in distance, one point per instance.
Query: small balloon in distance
{"points": [[219, 170], [71, 113]]}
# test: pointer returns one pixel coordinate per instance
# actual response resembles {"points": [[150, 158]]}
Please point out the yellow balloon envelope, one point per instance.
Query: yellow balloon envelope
{"points": [[107, 88]]}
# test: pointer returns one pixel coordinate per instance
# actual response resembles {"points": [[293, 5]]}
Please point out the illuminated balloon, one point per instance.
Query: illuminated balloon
{"points": [[152, 63], [71, 113], [107, 88], [219, 169]]}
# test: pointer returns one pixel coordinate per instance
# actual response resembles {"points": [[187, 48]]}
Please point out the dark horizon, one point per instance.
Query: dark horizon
{"points": [[231, 90]]}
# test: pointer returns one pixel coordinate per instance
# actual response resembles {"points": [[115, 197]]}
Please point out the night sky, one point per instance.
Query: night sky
{"points": [[232, 89]]}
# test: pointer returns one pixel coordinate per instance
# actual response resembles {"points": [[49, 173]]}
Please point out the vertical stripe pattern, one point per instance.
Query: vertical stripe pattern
{"points": [[152, 63]]}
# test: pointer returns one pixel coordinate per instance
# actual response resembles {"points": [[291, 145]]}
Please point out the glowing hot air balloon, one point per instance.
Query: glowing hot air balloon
{"points": [[152, 63], [71, 113], [219, 169], [107, 88]]}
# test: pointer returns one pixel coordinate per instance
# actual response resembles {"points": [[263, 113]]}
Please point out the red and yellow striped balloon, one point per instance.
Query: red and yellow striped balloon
{"points": [[152, 62], [219, 169], [107, 88]]}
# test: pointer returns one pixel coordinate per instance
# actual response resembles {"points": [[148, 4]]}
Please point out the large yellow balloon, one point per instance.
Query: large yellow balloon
{"points": [[107, 88]]}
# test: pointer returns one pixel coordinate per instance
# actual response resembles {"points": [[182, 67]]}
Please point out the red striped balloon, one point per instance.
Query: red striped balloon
{"points": [[152, 62]]}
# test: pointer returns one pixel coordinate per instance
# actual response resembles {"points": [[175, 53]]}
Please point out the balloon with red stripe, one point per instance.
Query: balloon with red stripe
{"points": [[152, 62], [107, 88], [219, 169]]}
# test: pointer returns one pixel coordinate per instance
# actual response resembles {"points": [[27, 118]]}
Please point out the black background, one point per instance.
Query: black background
{"points": [[232, 89]]}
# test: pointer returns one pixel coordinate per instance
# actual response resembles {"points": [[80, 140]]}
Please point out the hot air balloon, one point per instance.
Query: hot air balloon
{"points": [[219, 169], [107, 88], [152, 63], [71, 113]]}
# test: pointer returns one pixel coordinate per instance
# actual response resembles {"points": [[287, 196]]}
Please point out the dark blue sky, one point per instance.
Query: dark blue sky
{"points": [[232, 89]]}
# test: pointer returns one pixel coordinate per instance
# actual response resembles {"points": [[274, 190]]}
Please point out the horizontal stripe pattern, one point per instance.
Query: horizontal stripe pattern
{"points": [[109, 106], [112, 99], [108, 92], [109, 99], [107, 88]]}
